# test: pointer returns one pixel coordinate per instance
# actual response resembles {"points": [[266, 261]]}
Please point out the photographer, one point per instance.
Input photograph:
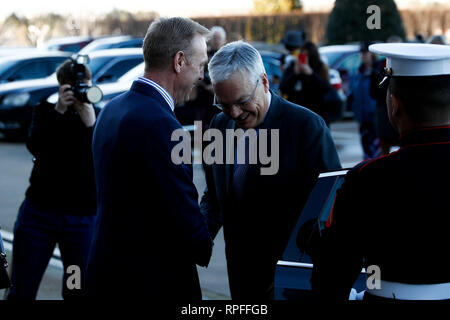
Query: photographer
{"points": [[60, 203], [306, 81]]}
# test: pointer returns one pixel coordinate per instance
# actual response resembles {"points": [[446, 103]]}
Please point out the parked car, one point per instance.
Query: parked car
{"points": [[111, 43], [68, 44], [109, 65], [272, 64], [16, 102], [18, 98], [346, 60], [343, 58], [293, 271], [113, 89], [336, 83], [10, 50], [31, 65]]}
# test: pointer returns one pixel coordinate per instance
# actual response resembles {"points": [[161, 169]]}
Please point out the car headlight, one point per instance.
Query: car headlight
{"points": [[16, 99]]}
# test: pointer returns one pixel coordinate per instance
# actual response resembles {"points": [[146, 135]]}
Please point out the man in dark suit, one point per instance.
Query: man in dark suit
{"points": [[258, 210], [150, 233]]}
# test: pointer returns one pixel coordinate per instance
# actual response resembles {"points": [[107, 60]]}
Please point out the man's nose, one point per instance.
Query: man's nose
{"points": [[235, 111]]}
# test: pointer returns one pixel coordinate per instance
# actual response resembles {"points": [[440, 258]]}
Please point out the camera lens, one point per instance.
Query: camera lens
{"points": [[94, 94]]}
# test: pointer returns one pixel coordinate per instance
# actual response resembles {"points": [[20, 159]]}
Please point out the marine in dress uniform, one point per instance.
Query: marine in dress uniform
{"points": [[393, 211]]}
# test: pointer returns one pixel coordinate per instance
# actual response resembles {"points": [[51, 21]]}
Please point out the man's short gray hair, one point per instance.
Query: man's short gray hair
{"points": [[220, 30], [236, 56], [167, 36]]}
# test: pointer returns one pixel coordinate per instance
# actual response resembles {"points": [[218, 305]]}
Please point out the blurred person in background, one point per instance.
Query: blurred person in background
{"points": [[362, 104], [292, 41], [203, 101], [306, 81], [217, 39], [200, 106], [60, 203], [419, 38], [386, 134]]}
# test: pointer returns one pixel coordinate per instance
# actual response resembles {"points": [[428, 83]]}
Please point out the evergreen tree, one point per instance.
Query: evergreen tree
{"points": [[348, 21]]}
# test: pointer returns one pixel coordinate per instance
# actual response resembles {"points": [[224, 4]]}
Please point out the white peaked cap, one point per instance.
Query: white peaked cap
{"points": [[414, 59]]}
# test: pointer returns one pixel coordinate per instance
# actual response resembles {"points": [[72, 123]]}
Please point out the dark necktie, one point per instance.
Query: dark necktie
{"points": [[240, 170]]}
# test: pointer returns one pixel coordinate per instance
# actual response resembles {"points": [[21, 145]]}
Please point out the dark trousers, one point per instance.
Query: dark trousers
{"points": [[369, 140], [247, 280], [36, 232]]}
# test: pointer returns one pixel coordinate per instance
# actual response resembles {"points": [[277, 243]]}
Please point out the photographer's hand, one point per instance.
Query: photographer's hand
{"points": [[65, 98], [304, 68], [86, 112]]}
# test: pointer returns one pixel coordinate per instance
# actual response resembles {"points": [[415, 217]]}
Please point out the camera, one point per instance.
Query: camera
{"points": [[82, 91]]}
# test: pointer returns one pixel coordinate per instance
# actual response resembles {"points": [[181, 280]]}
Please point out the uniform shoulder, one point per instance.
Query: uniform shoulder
{"points": [[376, 164]]}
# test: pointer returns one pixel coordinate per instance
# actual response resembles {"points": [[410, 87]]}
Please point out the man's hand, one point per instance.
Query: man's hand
{"points": [[67, 99], [304, 68], [86, 112]]}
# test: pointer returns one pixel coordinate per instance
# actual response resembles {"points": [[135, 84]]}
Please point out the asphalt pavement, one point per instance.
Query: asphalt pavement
{"points": [[15, 169]]}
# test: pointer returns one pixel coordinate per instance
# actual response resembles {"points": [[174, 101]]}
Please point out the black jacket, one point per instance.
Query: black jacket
{"points": [[62, 179], [305, 90], [146, 199]]}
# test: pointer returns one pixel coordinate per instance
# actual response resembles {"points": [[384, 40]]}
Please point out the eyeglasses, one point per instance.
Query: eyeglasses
{"points": [[243, 104]]}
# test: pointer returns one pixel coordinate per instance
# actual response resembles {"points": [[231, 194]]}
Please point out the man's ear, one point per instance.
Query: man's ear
{"points": [[397, 105], [178, 61], [265, 82]]}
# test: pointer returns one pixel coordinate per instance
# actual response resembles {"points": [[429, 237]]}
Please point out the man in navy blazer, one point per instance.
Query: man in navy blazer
{"points": [[258, 211], [150, 233]]}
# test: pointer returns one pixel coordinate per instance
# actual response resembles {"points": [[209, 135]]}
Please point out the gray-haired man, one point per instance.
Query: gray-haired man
{"points": [[258, 211]]}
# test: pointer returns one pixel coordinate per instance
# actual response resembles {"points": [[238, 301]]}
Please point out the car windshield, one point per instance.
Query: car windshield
{"points": [[332, 56], [133, 74], [95, 64], [5, 65]]}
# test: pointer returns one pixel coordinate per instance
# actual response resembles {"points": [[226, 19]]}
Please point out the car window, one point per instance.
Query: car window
{"points": [[100, 47], [73, 47], [130, 44], [95, 64], [133, 74], [332, 57], [32, 70], [118, 69], [350, 63], [5, 65], [316, 210], [54, 64]]}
